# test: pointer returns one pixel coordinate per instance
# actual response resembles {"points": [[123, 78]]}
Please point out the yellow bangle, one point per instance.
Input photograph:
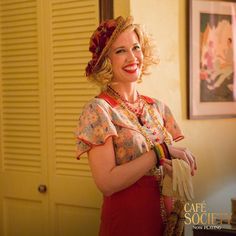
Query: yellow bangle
{"points": [[161, 151]]}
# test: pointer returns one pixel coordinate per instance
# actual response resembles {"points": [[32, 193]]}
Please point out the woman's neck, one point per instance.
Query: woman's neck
{"points": [[128, 92]]}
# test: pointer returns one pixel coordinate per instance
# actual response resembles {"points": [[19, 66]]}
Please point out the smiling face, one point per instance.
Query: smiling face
{"points": [[126, 57]]}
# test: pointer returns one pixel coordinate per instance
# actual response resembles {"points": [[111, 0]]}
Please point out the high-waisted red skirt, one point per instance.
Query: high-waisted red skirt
{"points": [[134, 211]]}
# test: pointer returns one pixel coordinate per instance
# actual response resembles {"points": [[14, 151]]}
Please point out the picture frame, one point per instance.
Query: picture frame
{"points": [[212, 59]]}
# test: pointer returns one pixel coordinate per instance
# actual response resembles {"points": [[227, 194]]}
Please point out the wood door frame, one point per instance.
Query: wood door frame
{"points": [[105, 10]]}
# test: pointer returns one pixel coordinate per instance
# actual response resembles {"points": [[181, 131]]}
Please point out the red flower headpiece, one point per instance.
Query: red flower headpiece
{"points": [[102, 39]]}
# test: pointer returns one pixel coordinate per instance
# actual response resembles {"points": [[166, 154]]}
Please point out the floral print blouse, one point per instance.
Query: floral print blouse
{"points": [[104, 117]]}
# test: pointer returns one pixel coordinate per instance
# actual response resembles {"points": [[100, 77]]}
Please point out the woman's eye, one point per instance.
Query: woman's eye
{"points": [[120, 51], [137, 47]]}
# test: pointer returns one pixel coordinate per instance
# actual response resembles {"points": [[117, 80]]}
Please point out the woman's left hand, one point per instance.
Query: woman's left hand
{"points": [[185, 155]]}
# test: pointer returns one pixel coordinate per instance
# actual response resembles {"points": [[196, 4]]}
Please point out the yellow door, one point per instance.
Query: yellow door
{"points": [[75, 201], [44, 190], [24, 210]]}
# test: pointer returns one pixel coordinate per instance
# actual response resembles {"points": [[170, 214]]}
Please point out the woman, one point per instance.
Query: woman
{"points": [[125, 134]]}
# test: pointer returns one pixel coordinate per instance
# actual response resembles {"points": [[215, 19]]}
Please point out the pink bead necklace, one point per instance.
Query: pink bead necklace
{"points": [[137, 111]]}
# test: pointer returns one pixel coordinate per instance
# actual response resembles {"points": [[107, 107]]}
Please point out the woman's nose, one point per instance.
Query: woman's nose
{"points": [[131, 56]]}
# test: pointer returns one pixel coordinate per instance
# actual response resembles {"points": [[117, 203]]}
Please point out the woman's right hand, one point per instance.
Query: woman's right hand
{"points": [[183, 154]]}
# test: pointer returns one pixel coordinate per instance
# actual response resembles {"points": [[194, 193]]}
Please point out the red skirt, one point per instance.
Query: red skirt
{"points": [[134, 211]]}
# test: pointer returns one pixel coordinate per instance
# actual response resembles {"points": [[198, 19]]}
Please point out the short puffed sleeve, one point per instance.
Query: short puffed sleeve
{"points": [[171, 124], [94, 126]]}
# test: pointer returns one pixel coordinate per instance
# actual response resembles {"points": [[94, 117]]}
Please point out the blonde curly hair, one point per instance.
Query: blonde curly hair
{"points": [[103, 74]]}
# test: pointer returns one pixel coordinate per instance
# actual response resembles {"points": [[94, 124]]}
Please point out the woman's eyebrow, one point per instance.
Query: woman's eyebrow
{"points": [[120, 47]]}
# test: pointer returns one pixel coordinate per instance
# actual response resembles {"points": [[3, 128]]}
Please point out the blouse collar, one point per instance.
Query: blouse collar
{"points": [[113, 103]]}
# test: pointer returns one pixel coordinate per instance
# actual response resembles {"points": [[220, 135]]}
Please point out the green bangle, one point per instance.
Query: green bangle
{"points": [[157, 155]]}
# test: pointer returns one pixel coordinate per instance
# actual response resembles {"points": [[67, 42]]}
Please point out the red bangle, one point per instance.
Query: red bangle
{"points": [[166, 150], [162, 162]]}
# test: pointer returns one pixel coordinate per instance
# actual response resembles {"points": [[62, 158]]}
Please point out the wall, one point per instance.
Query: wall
{"points": [[212, 141], [121, 8]]}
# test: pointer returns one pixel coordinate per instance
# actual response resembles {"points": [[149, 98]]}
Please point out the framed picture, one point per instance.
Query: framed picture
{"points": [[212, 62]]}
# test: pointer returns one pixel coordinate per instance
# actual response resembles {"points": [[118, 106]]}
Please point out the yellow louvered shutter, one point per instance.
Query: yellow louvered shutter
{"points": [[21, 98], [44, 50], [72, 24], [76, 201], [22, 124]]}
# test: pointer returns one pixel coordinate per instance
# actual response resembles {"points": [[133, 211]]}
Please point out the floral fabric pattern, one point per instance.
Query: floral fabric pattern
{"points": [[100, 120]]}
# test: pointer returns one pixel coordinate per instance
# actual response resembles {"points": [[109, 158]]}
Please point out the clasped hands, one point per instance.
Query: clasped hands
{"points": [[177, 180], [182, 154]]}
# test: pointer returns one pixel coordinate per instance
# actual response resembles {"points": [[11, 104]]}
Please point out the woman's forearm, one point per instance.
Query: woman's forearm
{"points": [[111, 178], [123, 176]]}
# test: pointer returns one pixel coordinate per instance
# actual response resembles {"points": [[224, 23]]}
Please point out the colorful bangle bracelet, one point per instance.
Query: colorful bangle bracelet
{"points": [[162, 152]]}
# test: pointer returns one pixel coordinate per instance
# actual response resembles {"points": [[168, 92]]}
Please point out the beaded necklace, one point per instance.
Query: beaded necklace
{"points": [[137, 111], [135, 116], [161, 127]]}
